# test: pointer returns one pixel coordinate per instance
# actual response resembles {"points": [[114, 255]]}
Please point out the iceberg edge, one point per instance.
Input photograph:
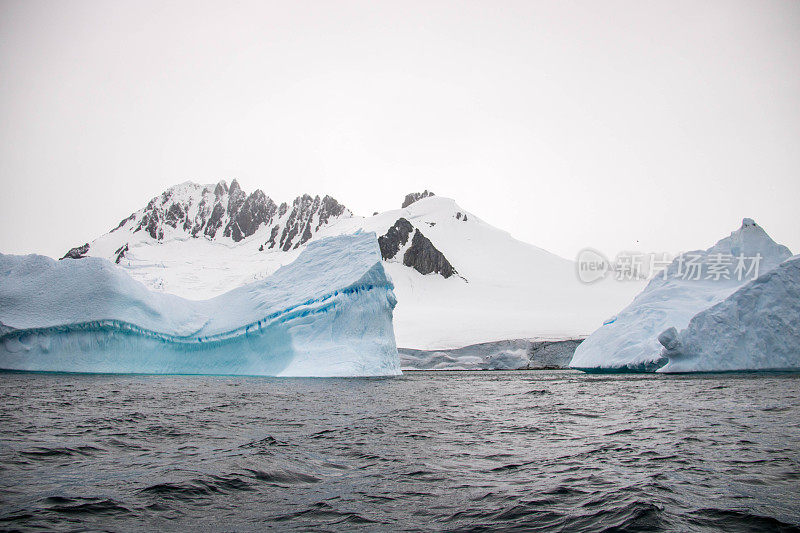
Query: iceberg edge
{"points": [[754, 329], [273, 327]]}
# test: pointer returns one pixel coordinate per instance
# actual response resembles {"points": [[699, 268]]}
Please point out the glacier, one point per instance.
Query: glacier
{"points": [[755, 328], [629, 341], [328, 313]]}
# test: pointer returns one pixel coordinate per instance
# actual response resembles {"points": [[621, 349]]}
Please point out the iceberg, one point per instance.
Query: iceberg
{"points": [[691, 283], [755, 328], [329, 313]]}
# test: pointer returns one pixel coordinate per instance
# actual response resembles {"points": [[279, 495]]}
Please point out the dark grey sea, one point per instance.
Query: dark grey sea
{"points": [[428, 451]]}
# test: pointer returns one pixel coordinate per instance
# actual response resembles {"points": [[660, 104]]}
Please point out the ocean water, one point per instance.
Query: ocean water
{"points": [[428, 451]]}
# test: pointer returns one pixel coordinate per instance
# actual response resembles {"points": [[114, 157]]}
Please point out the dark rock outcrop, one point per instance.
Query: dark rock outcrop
{"points": [[214, 221], [272, 236], [301, 220], [236, 198], [176, 213], [422, 255], [329, 208], [256, 211], [395, 237], [151, 219], [121, 253], [123, 222], [77, 252], [425, 258], [414, 196]]}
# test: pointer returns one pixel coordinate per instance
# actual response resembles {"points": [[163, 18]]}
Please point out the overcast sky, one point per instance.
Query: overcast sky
{"points": [[640, 125]]}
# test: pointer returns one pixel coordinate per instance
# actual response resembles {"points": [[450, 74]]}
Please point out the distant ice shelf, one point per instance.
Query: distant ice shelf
{"points": [[512, 354], [329, 313]]}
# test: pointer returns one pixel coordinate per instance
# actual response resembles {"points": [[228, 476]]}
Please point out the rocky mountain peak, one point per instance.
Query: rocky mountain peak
{"points": [[77, 252], [222, 211], [306, 217], [219, 211], [415, 196]]}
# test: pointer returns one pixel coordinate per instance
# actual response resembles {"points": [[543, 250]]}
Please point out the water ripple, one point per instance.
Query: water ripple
{"points": [[439, 451]]}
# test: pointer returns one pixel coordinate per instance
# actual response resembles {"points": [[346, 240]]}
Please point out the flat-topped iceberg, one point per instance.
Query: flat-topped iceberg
{"points": [[755, 328], [691, 283], [329, 313]]}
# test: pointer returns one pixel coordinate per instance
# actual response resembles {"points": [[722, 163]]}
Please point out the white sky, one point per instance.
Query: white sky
{"points": [[618, 125]]}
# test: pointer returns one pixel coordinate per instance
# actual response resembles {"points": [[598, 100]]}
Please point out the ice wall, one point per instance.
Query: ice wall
{"points": [[329, 313]]}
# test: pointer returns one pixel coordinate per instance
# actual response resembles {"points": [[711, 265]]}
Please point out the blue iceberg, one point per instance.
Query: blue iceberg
{"points": [[329, 313], [629, 341], [755, 328]]}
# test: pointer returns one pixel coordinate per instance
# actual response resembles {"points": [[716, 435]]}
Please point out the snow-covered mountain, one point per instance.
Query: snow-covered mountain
{"points": [[219, 213], [458, 280]]}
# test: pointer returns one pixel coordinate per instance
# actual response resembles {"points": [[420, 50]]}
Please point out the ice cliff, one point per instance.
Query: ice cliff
{"points": [[329, 313], [755, 328], [691, 283]]}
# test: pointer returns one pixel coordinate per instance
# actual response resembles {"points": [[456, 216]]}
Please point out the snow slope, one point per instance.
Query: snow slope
{"points": [[503, 288], [329, 313], [755, 328], [630, 341]]}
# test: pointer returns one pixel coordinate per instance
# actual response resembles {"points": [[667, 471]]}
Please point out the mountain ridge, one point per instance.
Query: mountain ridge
{"points": [[203, 210], [458, 280]]}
